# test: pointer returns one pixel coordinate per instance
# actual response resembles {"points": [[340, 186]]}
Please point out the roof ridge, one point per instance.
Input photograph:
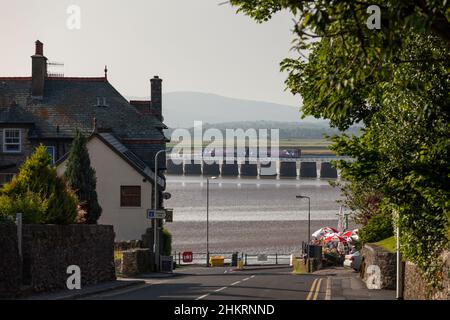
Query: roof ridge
{"points": [[16, 78], [100, 79]]}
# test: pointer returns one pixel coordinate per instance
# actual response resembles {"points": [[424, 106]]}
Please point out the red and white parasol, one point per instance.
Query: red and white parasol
{"points": [[322, 232], [351, 234], [334, 237]]}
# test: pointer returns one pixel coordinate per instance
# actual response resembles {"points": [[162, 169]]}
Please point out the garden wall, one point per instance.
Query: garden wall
{"points": [[136, 261], [49, 249], [10, 271], [415, 287], [47, 252], [378, 269]]}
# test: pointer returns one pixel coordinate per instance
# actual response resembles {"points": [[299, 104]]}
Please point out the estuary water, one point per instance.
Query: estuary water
{"points": [[248, 214], [251, 199]]}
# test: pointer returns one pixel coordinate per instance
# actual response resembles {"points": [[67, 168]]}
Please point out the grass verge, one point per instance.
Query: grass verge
{"points": [[389, 244]]}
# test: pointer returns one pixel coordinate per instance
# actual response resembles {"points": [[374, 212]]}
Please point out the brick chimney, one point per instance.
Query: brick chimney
{"points": [[38, 71], [156, 95]]}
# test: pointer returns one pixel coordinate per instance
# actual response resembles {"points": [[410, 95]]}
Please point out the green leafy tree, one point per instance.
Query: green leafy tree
{"points": [[395, 81], [81, 178], [39, 193]]}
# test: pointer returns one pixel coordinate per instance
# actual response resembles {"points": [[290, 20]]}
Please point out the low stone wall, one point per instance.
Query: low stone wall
{"points": [[10, 270], [415, 286], [128, 245], [136, 261], [378, 269], [49, 249]]}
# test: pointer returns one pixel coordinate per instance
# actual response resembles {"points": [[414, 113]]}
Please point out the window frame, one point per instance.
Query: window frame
{"points": [[124, 204], [53, 148], [4, 181], [5, 144]]}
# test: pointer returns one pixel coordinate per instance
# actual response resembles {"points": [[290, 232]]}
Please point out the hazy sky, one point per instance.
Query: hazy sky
{"points": [[194, 45]]}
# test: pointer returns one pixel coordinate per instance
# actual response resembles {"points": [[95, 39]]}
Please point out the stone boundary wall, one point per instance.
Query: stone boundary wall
{"points": [[10, 265], [128, 245], [415, 287], [49, 249], [136, 261], [378, 268]]}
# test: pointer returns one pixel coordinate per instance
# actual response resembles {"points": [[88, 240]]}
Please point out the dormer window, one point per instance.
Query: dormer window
{"points": [[101, 102], [12, 139]]}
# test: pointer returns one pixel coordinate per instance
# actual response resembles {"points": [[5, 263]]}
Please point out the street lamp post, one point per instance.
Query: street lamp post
{"points": [[309, 224], [207, 219], [156, 221]]}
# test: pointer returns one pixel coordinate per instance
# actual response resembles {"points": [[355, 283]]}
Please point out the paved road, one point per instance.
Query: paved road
{"points": [[199, 283]]}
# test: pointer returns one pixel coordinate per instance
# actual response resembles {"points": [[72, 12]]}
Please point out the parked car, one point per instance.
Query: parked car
{"points": [[353, 260]]}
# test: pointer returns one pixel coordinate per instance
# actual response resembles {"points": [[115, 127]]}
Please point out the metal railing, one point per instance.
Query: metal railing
{"points": [[199, 258]]}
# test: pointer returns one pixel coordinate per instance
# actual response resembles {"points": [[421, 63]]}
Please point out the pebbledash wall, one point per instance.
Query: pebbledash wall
{"points": [[47, 252]]}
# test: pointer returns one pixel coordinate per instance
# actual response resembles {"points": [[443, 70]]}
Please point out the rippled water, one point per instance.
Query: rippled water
{"points": [[243, 199]]}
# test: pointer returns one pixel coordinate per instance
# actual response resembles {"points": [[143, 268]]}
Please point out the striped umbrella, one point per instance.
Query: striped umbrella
{"points": [[334, 237], [350, 233], [319, 234]]}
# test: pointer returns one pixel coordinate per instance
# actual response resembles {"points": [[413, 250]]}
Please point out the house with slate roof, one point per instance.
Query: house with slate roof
{"points": [[124, 136]]}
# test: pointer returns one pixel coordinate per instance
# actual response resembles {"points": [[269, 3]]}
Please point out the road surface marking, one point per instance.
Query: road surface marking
{"points": [[223, 288], [328, 292], [313, 286], [317, 289], [203, 296]]}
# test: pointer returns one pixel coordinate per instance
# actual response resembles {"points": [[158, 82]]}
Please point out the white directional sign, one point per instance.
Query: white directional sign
{"points": [[158, 214]]}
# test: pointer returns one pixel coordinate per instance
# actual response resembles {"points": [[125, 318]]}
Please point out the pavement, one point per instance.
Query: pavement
{"points": [[345, 284], [226, 283], [88, 291]]}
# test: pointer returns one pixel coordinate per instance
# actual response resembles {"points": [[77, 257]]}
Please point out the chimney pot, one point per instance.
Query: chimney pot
{"points": [[38, 71], [39, 48]]}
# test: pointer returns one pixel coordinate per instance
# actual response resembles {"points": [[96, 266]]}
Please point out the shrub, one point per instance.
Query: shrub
{"points": [[39, 193], [32, 207], [378, 227], [167, 242]]}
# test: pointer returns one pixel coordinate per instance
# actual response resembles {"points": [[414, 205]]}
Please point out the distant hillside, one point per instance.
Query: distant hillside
{"points": [[181, 109], [287, 130]]}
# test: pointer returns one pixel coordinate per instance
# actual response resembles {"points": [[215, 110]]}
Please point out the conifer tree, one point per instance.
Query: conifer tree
{"points": [[81, 178], [39, 193]]}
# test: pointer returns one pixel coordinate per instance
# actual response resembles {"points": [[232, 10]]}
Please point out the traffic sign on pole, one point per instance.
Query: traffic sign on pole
{"points": [[156, 214], [169, 215]]}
